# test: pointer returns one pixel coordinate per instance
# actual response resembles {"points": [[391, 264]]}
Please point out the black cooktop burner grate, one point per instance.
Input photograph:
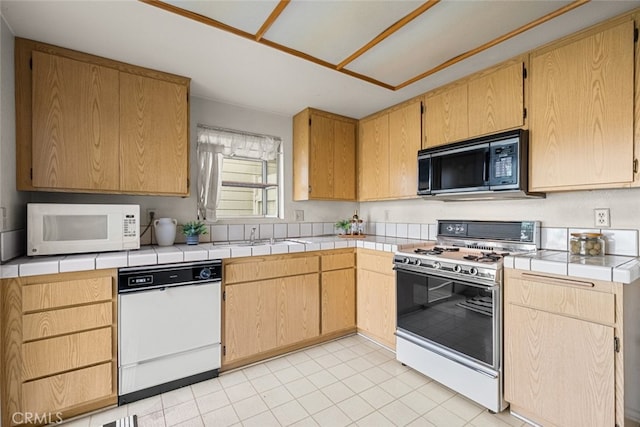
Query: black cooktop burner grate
{"points": [[436, 250]]}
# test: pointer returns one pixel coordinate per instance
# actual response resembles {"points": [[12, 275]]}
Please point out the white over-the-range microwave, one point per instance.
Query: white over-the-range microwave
{"points": [[58, 228]]}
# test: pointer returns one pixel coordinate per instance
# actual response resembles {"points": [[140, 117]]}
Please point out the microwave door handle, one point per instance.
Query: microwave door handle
{"points": [[487, 164]]}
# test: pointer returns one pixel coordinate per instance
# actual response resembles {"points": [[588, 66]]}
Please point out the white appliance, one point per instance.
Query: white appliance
{"points": [[169, 327], [449, 305], [58, 228]]}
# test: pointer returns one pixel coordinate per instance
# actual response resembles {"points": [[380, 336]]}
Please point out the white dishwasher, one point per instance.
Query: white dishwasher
{"points": [[168, 327]]}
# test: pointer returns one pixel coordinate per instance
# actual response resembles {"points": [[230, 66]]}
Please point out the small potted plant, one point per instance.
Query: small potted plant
{"points": [[343, 226], [192, 231]]}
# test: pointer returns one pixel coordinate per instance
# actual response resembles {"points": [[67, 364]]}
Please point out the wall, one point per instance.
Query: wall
{"points": [[10, 199], [12, 203], [570, 209]]}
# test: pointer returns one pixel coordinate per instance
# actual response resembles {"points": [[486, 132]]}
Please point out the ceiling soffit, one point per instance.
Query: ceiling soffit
{"points": [[391, 44]]}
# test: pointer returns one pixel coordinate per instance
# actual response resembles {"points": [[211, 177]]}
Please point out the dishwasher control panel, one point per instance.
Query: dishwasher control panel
{"points": [[133, 279]]}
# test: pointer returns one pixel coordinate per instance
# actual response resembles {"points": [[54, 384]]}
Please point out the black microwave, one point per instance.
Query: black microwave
{"points": [[493, 166]]}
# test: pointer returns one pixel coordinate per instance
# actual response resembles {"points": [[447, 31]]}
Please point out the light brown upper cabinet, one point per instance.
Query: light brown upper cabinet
{"points": [[373, 154], [388, 148], [496, 100], [90, 124], [483, 103], [446, 115], [75, 124], [582, 111], [154, 125], [324, 156]]}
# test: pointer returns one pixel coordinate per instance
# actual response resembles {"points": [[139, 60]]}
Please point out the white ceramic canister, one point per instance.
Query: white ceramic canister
{"points": [[165, 229]]}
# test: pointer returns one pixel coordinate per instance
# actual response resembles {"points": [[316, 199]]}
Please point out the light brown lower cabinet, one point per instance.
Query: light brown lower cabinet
{"points": [[562, 338], [338, 309], [279, 303], [376, 301], [58, 346], [264, 315], [271, 304]]}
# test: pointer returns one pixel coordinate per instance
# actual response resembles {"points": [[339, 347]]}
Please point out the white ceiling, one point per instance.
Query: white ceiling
{"points": [[236, 70]]}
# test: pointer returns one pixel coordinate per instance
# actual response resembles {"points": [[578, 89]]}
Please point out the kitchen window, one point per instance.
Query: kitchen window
{"points": [[239, 174]]}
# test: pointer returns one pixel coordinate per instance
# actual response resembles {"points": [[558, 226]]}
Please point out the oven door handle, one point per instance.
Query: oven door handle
{"points": [[417, 270]]}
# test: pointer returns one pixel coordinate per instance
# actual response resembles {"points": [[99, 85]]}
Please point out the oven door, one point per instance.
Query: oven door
{"points": [[457, 316]]}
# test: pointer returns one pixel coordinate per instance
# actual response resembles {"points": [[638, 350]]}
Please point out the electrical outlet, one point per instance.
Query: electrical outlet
{"points": [[151, 214], [299, 215], [386, 215], [602, 218]]}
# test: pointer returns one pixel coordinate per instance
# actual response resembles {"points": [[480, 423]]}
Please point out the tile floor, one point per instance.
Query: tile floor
{"points": [[349, 381]]}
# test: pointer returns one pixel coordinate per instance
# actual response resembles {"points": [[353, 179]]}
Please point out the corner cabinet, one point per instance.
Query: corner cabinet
{"points": [[582, 111], [562, 339], [89, 124], [388, 147], [483, 103], [59, 345], [324, 156]]}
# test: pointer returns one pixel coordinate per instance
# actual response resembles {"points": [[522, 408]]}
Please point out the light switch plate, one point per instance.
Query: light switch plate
{"points": [[299, 215]]}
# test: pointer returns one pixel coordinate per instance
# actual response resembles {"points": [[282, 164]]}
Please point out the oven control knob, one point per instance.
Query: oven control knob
{"points": [[473, 271], [417, 262], [457, 268], [205, 273], [406, 261], [437, 265]]}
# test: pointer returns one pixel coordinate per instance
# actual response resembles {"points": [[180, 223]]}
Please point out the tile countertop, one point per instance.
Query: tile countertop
{"points": [[152, 255], [623, 269]]}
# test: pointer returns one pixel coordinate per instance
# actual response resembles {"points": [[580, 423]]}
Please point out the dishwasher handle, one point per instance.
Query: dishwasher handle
{"points": [[164, 287]]}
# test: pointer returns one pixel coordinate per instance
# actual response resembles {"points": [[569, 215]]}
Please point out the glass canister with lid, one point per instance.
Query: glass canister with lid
{"points": [[587, 244]]}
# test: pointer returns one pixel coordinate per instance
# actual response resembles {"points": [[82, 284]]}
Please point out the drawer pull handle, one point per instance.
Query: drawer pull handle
{"points": [[556, 280]]}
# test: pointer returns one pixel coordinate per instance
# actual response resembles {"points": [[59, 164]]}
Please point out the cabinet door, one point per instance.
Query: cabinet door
{"points": [[321, 167], [338, 300], [74, 124], [582, 112], [344, 160], [376, 306], [446, 116], [250, 319], [374, 158], [298, 308], [559, 368], [153, 135], [405, 133], [496, 101]]}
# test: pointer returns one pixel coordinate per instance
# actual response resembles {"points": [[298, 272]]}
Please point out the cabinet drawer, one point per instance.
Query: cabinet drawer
{"points": [[257, 268], [63, 391], [54, 355], [67, 320], [552, 295], [379, 262], [43, 296], [338, 261]]}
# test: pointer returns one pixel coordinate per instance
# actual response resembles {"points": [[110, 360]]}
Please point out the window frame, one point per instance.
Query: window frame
{"points": [[264, 186]]}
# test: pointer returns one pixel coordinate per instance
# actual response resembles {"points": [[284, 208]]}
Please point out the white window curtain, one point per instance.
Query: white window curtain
{"points": [[213, 145]]}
